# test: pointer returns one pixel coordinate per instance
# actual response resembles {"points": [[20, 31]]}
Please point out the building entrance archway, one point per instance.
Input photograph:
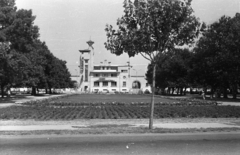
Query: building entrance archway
{"points": [[136, 84]]}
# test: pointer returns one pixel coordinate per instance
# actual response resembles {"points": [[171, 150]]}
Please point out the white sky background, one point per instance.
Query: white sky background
{"points": [[66, 25]]}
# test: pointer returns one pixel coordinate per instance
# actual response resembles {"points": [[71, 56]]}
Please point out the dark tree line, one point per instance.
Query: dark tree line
{"points": [[214, 63], [26, 61]]}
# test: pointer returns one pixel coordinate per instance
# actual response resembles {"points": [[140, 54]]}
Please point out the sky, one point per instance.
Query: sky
{"points": [[66, 26]]}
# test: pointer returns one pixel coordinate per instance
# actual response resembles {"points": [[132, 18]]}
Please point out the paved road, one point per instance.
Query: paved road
{"points": [[192, 144]]}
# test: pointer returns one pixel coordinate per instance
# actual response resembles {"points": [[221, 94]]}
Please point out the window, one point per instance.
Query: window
{"points": [[96, 68], [105, 75], [96, 84], [105, 83], [113, 84], [113, 68], [96, 75], [113, 75], [124, 71], [124, 83], [86, 60]]}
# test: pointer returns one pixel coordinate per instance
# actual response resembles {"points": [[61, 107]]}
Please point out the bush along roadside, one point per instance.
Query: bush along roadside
{"points": [[69, 111]]}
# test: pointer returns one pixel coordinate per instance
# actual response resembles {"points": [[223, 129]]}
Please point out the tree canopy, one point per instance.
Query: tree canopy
{"points": [[150, 27], [172, 70], [25, 58], [217, 54], [212, 64]]}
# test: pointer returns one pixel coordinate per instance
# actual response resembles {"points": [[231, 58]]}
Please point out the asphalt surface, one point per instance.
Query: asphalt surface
{"points": [[192, 144]]}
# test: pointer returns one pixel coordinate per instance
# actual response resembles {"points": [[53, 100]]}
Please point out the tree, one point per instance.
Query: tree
{"points": [[6, 69], [11, 65], [151, 28], [216, 61], [7, 17], [172, 70], [57, 74], [18, 31], [26, 61]]}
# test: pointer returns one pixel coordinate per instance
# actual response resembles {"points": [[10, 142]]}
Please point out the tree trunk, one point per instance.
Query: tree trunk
{"points": [[46, 90], [168, 91], [162, 91], [2, 91], [34, 91], [185, 89], [181, 91], [191, 91], [172, 90], [152, 100], [50, 90], [234, 91], [218, 93], [225, 93], [212, 92]]}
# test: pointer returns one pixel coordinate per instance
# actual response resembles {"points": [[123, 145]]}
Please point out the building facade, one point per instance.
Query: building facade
{"points": [[106, 77]]}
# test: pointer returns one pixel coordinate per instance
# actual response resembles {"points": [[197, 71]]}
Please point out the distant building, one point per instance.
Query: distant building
{"points": [[107, 77]]}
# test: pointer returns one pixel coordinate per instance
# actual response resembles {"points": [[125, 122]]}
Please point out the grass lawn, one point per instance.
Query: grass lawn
{"points": [[126, 98]]}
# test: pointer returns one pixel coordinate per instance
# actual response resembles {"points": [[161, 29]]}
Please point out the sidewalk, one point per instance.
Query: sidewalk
{"points": [[79, 127], [84, 124]]}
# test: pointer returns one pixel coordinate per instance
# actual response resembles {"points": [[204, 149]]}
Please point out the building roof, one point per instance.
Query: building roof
{"points": [[105, 80], [104, 71], [137, 76], [105, 65], [84, 51]]}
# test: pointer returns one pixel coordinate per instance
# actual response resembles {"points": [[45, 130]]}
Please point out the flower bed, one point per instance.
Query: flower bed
{"points": [[68, 111], [53, 103]]}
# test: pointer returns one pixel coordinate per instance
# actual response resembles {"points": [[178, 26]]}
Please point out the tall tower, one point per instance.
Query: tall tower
{"points": [[86, 66]]}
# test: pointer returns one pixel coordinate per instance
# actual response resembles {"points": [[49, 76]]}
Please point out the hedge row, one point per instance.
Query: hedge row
{"points": [[71, 104]]}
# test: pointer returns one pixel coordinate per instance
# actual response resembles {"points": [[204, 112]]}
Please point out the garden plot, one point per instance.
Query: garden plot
{"points": [[121, 106], [54, 110]]}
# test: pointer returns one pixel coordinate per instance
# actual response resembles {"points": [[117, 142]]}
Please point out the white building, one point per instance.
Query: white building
{"points": [[107, 77]]}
